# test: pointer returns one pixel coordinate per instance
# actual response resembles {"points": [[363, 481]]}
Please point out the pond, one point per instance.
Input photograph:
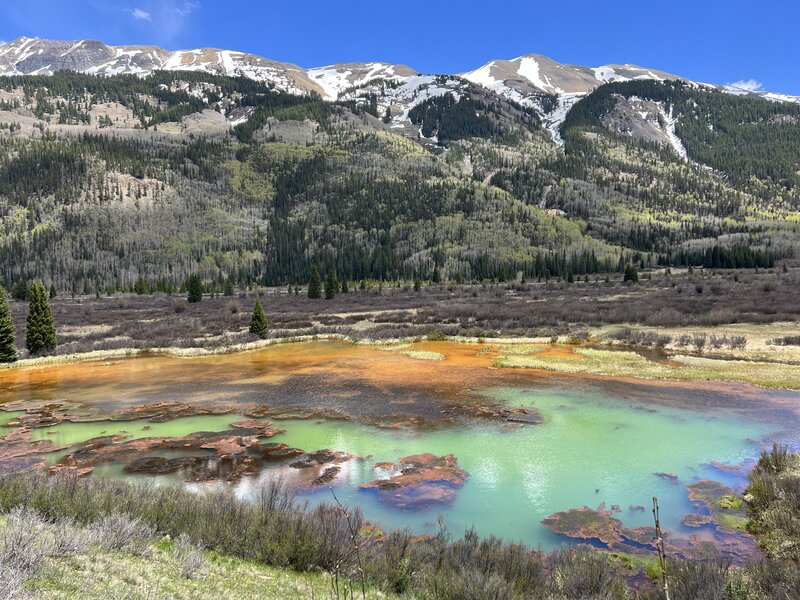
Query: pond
{"points": [[606, 444]]}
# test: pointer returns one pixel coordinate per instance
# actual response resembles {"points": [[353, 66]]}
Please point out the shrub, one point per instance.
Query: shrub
{"points": [[116, 532], [189, 557]]}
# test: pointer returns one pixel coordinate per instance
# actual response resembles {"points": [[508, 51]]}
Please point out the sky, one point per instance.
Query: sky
{"points": [[714, 41]]}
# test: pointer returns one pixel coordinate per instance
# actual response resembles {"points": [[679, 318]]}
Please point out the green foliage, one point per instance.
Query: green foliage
{"points": [[41, 331], [773, 503], [630, 274], [194, 288], [20, 290], [258, 323], [315, 284], [8, 345], [449, 119], [331, 286], [740, 136], [227, 288]]}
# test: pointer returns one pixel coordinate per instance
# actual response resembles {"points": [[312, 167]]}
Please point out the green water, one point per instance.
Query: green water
{"points": [[5, 419], [67, 434], [588, 451]]}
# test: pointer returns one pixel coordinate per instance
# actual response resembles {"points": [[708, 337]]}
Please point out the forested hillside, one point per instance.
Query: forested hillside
{"points": [[106, 180]]}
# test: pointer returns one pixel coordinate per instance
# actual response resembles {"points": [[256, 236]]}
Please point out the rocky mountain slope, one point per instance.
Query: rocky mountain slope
{"points": [[549, 87], [233, 166]]}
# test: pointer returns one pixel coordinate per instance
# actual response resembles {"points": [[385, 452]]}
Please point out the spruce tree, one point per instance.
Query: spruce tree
{"points": [[630, 274], [330, 286], [258, 323], [315, 284], [194, 288], [345, 287], [8, 346], [227, 288], [20, 290], [53, 292], [41, 334]]}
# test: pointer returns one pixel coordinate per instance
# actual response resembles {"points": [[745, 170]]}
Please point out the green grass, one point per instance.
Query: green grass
{"points": [[157, 574], [618, 363]]}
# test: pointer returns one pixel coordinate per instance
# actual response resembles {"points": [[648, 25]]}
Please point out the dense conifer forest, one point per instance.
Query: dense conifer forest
{"points": [[104, 184]]}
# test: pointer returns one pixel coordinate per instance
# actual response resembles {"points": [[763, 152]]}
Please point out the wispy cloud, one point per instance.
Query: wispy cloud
{"points": [[140, 15], [751, 85]]}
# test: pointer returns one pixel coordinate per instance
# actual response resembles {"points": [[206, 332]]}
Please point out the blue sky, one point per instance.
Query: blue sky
{"points": [[707, 40]]}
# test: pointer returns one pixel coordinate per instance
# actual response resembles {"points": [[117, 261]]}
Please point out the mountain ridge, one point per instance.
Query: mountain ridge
{"points": [[517, 78]]}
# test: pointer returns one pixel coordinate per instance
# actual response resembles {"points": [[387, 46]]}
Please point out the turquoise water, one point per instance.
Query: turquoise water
{"points": [[67, 434], [591, 449], [588, 451], [5, 418]]}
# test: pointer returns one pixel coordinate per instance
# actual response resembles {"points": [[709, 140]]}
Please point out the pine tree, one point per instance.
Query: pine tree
{"points": [[41, 334], [227, 288], [8, 346], [345, 287], [141, 287], [417, 284], [630, 274], [387, 118], [258, 323], [315, 284], [53, 292], [331, 286], [20, 290], [194, 288]]}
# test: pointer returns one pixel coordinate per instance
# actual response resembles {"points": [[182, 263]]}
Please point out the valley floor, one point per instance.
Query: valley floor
{"points": [[741, 326]]}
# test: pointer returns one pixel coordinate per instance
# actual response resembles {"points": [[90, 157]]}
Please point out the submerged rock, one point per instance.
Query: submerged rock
{"points": [[695, 520], [423, 481], [671, 477]]}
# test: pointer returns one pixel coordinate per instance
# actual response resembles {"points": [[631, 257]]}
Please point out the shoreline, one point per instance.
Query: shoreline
{"points": [[503, 362]]}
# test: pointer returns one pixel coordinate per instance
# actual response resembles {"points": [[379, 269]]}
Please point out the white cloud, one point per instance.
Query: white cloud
{"points": [[140, 15], [751, 85]]}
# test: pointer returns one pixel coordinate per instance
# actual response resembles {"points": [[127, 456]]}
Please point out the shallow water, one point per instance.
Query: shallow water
{"points": [[602, 441], [589, 450]]}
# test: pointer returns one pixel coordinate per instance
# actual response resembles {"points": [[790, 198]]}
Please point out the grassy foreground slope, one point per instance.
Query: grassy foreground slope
{"points": [[63, 537]]}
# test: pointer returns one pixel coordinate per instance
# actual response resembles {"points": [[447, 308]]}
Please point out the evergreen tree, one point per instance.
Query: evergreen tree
{"points": [[141, 287], [227, 288], [387, 118], [331, 286], [41, 334], [417, 284], [345, 287], [315, 284], [630, 274], [194, 288], [8, 346], [258, 323], [53, 292], [20, 290], [436, 278]]}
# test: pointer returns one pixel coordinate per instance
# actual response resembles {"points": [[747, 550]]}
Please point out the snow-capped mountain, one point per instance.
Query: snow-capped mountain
{"points": [[336, 79], [34, 56], [527, 80]]}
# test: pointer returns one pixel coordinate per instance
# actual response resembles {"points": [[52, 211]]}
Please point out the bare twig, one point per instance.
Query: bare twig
{"points": [[662, 556]]}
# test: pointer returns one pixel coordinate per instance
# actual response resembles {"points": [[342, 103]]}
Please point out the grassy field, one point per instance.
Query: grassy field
{"points": [[67, 562], [702, 301], [628, 363]]}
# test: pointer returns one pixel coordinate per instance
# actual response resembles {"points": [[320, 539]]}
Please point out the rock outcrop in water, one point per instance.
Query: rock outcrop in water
{"points": [[423, 481], [237, 453]]}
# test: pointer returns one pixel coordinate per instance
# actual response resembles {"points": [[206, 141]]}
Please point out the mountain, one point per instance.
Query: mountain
{"points": [[34, 56], [530, 80], [232, 166]]}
